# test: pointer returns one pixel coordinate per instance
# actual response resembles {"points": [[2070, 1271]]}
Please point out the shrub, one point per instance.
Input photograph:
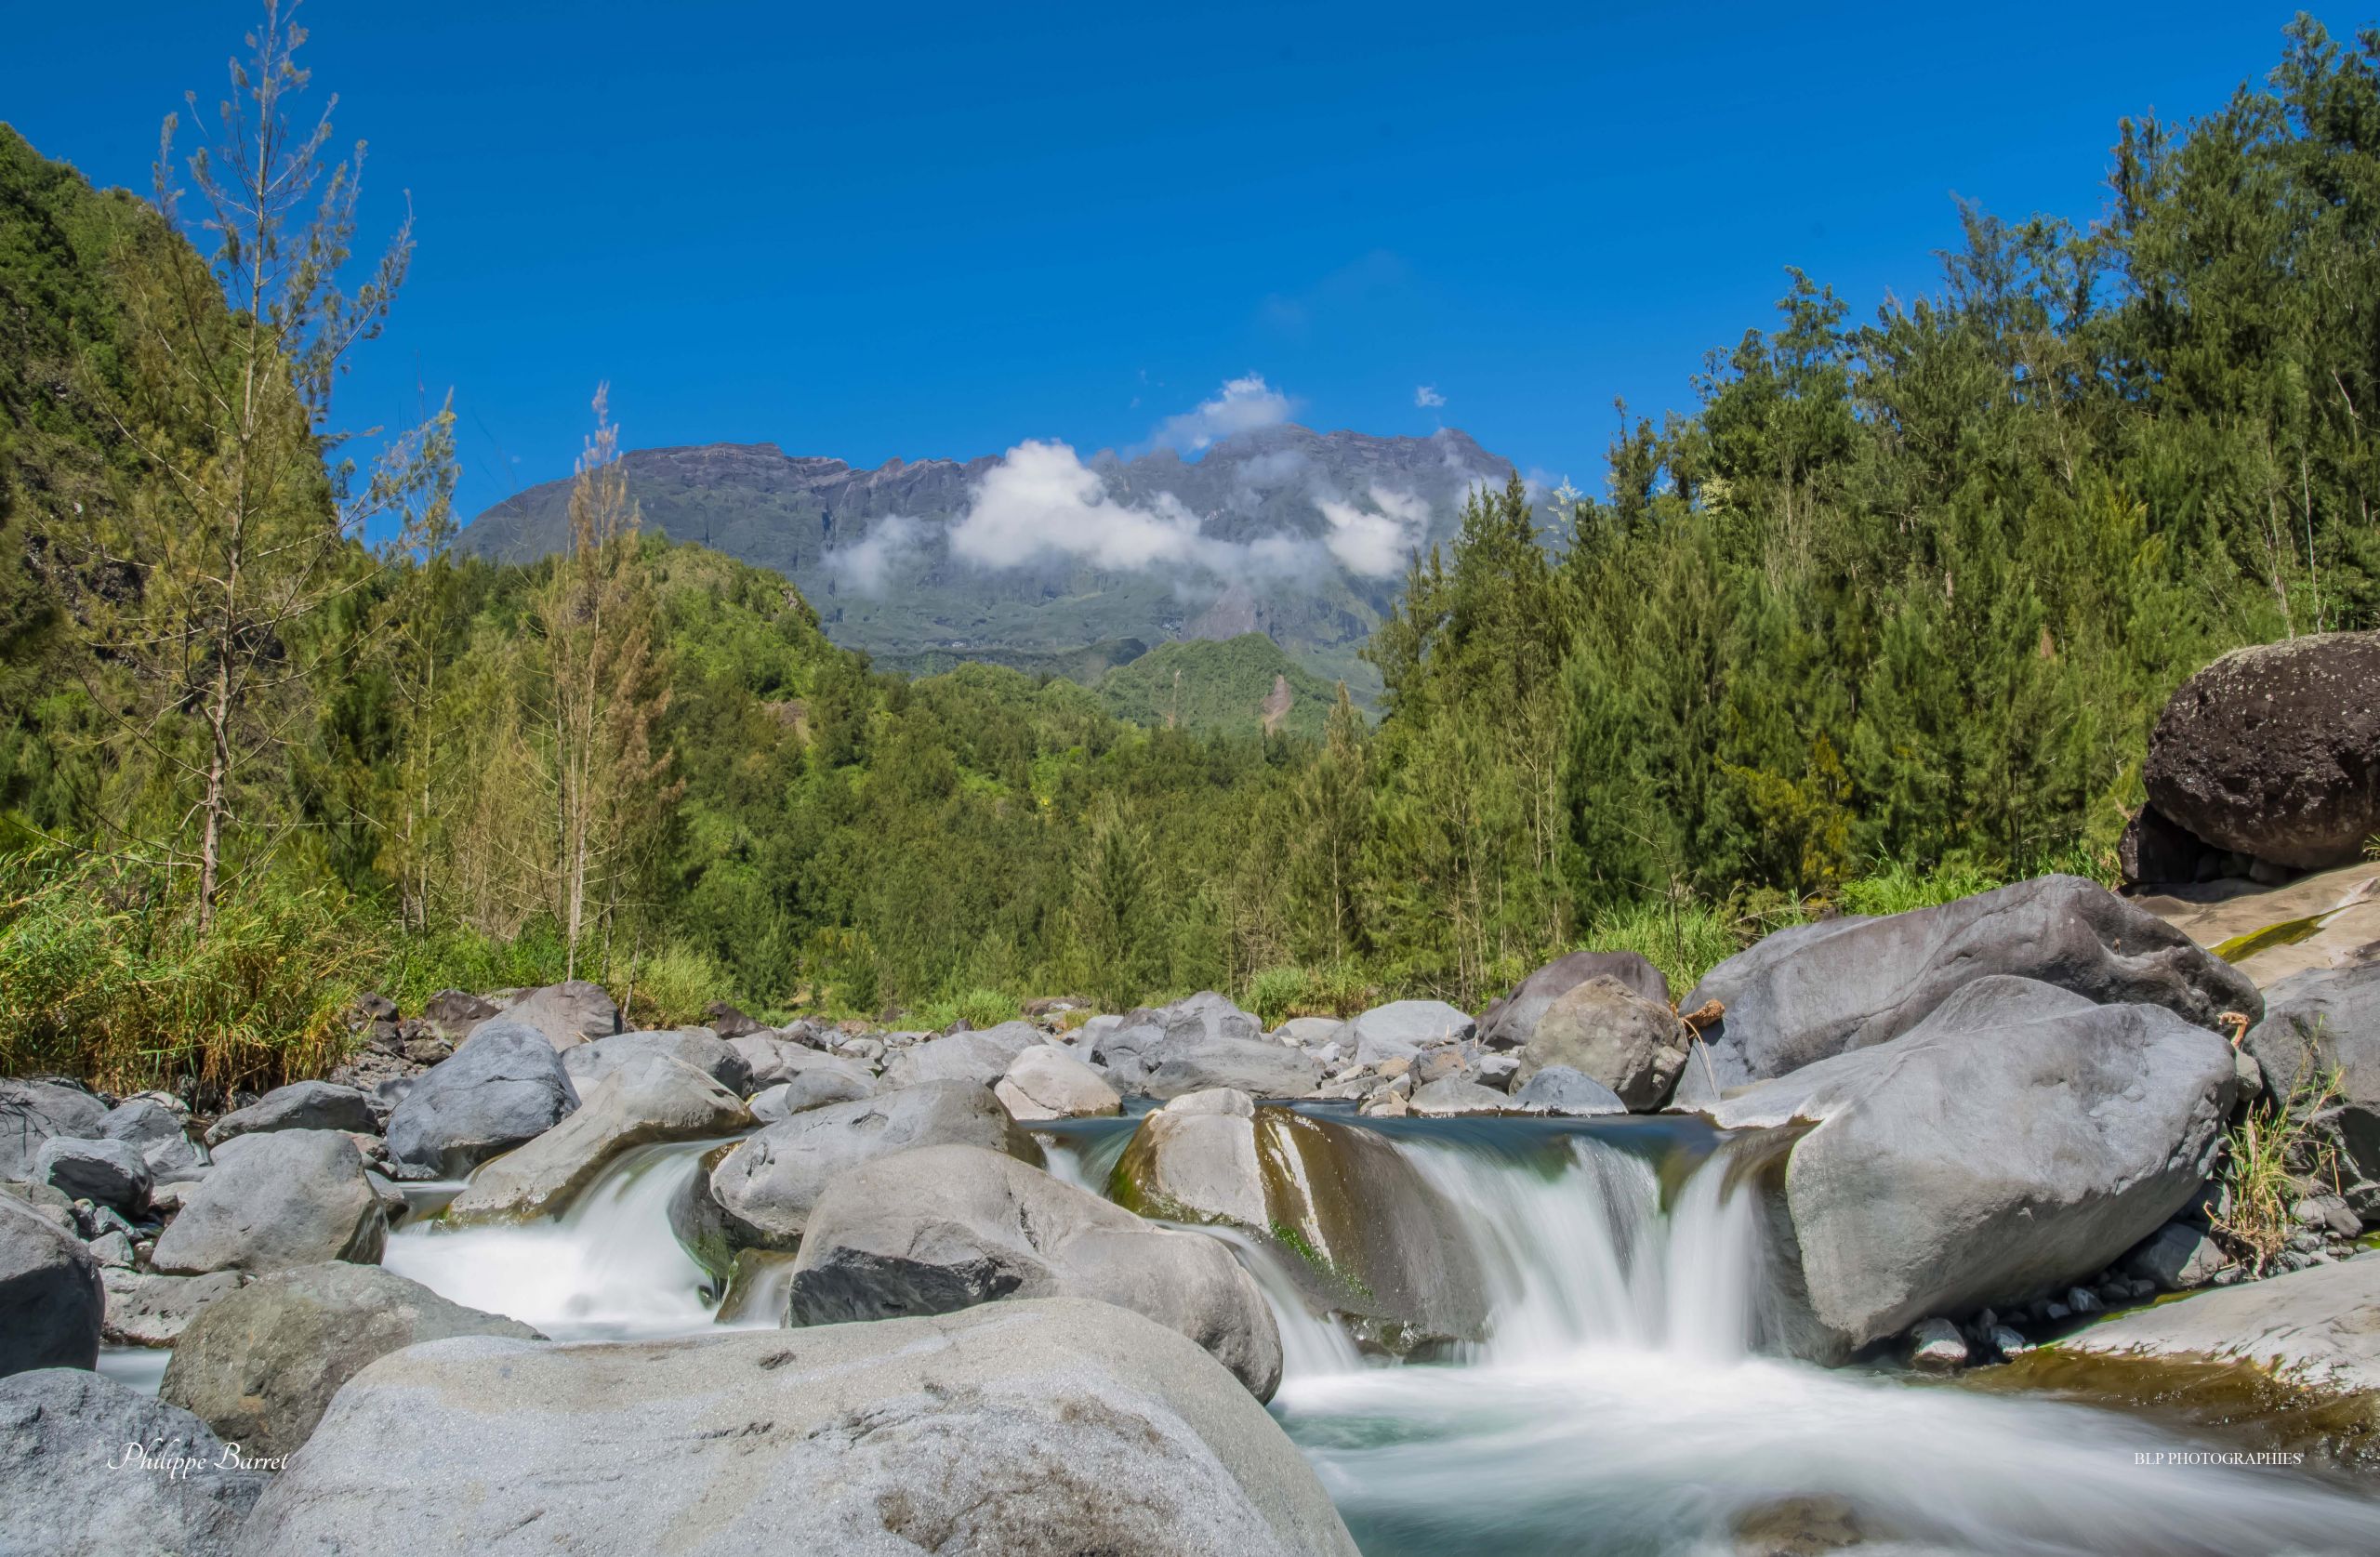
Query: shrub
{"points": [[669, 987], [2272, 1158], [1899, 887], [984, 1008], [1684, 940]]}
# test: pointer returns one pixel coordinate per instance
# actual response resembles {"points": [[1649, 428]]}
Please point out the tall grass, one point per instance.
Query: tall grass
{"points": [[1684, 940], [2273, 1157]]}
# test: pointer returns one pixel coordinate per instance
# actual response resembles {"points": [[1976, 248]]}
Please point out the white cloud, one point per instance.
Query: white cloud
{"points": [[1426, 396], [866, 563], [1375, 545], [1242, 405], [1044, 501]]}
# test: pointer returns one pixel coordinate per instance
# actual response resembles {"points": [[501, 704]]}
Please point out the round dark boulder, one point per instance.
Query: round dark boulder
{"points": [[2274, 751]]}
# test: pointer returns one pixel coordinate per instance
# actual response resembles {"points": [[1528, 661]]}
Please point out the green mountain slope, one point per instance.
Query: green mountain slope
{"points": [[1240, 686]]}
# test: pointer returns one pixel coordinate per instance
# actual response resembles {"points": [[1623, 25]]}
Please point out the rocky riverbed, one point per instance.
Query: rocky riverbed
{"points": [[1895, 1239]]}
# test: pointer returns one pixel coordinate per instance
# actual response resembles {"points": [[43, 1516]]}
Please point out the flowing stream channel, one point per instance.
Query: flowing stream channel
{"points": [[1623, 1403]]}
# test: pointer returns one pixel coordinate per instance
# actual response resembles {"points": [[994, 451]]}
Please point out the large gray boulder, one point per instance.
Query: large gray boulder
{"points": [[948, 1227], [275, 1200], [2328, 1020], [1263, 1070], [567, 1014], [1139, 1042], [145, 1309], [157, 1134], [504, 1086], [831, 1080], [301, 1105], [983, 1056], [32, 1111], [259, 1364], [73, 1485], [1045, 1082], [757, 1193], [647, 1099], [1364, 1232], [1508, 1022], [1813, 991], [2274, 751], [51, 1303], [2318, 1327], [1560, 1089], [1402, 1029], [699, 1047], [1605, 1030], [1053, 1426], [2013, 1145], [109, 1172]]}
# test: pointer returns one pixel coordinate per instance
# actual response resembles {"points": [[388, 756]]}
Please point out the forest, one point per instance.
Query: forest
{"points": [[1885, 619]]}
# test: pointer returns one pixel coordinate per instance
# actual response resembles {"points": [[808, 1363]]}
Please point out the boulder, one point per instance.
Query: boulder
{"points": [[1606, 1031], [948, 1227], [275, 1200], [32, 1111], [1452, 1095], [2318, 1327], [699, 1047], [1045, 1082], [2329, 1018], [259, 1365], [301, 1105], [568, 1013], [1365, 1234], [982, 1057], [2010, 1146], [145, 1309], [92, 1467], [109, 1172], [500, 1089], [1508, 1022], [157, 1134], [1560, 1089], [831, 1080], [758, 1193], [728, 1021], [2157, 851], [51, 1303], [1142, 1039], [2177, 1256], [648, 1099], [1811, 991], [1043, 1427], [1402, 1029], [1307, 1032], [1265, 1070], [2274, 751], [454, 1013]]}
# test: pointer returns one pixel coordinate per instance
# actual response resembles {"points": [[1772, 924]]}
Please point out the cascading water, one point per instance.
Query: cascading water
{"points": [[1621, 1406]]}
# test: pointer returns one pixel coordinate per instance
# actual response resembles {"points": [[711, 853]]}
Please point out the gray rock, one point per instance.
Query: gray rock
{"points": [[2016, 1142], [1811, 991], [1045, 1082], [984, 1057], [145, 1309], [454, 1013], [156, 1133], [32, 1111], [568, 1013], [1216, 1099], [500, 1089], [647, 1099], [2318, 1327], [2274, 751], [70, 1492], [109, 1172], [1402, 1029], [1054, 1426], [1453, 1095], [1560, 1089], [275, 1200], [2328, 1019], [51, 1303], [830, 1080], [2177, 1256], [1937, 1347], [259, 1365], [301, 1105], [757, 1193], [699, 1047], [1264, 1070], [1602, 1029], [1308, 1032], [1509, 1022], [948, 1227], [1144, 1038]]}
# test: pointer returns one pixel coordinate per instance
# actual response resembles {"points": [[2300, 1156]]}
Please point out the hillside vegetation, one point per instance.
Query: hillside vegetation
{"points": [[1242, 686], [1896, 603]]}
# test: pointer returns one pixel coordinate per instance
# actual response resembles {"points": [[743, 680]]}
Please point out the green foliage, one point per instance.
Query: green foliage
{"points": [[1684, 940], [2274, 1156], [1898, 888], [1202, 684]]}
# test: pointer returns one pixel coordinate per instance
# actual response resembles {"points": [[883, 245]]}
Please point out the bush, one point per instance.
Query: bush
{"points": [[2273, 1157], [1684, 940], [1898, 888], [1274, 993], [670, 987], [1335, 989]]}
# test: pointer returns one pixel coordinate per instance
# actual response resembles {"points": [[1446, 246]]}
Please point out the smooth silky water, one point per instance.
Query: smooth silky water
{"points": [[1628, 1400]]}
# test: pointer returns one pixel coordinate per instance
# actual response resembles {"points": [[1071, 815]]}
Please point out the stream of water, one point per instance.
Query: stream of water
{"points": [[1623, 1402]]}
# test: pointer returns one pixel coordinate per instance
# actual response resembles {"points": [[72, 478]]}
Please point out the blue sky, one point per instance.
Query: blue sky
{"points": [[917, 230]]}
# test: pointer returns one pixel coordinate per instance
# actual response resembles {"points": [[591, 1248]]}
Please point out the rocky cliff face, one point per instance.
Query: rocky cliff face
{"points": [[870, 547]]}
